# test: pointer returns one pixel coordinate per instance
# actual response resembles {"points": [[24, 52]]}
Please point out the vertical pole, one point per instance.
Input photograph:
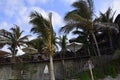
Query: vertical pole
{"points": [[90, 68], [52, 74]]}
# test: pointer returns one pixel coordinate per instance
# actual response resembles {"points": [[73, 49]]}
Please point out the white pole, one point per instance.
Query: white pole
{"points": [[90, 68]]}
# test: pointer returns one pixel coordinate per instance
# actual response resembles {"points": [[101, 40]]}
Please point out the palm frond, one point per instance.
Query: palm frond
{"points": [[75, 18], [40, 24], [79, 32], [83, 8], [67, 28]]}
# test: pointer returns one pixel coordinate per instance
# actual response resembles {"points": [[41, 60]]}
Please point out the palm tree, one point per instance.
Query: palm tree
{"points": [[14, 39], [43, 27], [62, 43], [81, 19], [107, 19], [82, 38]]}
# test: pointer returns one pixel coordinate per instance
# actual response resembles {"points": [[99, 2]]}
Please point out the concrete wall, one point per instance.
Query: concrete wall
{"points": [[35, 71]]}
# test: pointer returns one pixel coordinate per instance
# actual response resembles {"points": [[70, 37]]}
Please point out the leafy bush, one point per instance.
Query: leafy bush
{"points": [[85, 75], [98, 72], [110, 70]]}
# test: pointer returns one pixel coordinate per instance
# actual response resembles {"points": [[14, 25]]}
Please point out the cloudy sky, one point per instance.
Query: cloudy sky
{"points": [[18, 11]]}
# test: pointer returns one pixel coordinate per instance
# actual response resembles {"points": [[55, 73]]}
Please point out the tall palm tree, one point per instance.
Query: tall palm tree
{"points": [[14, 39], [81, 18], [43, 27], [107, 19]]}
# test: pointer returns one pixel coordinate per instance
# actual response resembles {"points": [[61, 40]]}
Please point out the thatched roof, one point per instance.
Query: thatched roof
{"points": [[4, 53]]}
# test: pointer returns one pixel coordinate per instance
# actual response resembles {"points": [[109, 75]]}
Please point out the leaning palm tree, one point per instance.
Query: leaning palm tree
{"points": [[14, 39], [43, 27], [81, 19]]}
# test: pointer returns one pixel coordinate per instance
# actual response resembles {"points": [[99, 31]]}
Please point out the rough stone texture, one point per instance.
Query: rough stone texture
{"points": [[36, 69]]}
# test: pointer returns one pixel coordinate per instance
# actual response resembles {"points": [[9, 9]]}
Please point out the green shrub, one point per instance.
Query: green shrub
{"points": [[111, 70], [85, 75], [98, 72]]}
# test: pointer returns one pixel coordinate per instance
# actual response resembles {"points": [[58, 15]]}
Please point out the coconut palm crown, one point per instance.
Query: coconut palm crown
{"points": [[43, 27], [14, 39], [81, 19]]}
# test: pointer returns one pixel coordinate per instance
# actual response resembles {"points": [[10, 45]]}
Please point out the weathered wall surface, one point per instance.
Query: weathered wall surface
{"points": [[35, 71]]}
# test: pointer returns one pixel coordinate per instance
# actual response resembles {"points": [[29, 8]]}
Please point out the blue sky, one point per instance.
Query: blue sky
{"points": [[18, 11]]}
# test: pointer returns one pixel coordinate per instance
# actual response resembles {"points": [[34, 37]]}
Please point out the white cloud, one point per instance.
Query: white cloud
{"points": [[16, 12], [40, 10], [69, 1], [19, 13], [4, 25], [5, 48], [114, 4], [33, 2], [10, 8], [57, 19]]}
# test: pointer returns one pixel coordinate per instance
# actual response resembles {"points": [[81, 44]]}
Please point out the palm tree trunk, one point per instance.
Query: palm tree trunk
{"points": [[98, 50], [110, 40], [52, 76], [88, 51], [95, 53]]}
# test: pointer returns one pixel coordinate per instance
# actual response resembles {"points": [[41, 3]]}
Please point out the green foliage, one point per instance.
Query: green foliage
{"points": [[98, 72], [110, 70], [85, 75], [106, 17]]}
